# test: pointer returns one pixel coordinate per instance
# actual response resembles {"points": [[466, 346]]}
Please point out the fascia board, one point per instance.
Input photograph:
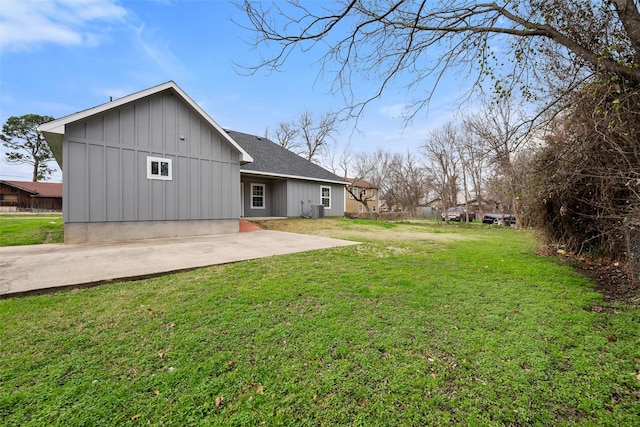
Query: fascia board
{"points": [[245, 157], [58, 126], [279, 175], [19, 187]]}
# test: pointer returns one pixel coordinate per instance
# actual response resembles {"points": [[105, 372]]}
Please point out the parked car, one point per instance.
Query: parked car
{"points": [[458, 214], [498, 218]]}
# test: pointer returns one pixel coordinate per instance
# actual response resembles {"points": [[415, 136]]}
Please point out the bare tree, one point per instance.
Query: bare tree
{"points": [[286, 135], [474, 150], [373, 167], [338, 159], [401, 179], [408, 182], [370, 169], [443, 163], [527, 45], [307, 136], [503, 129], [316, 135]]}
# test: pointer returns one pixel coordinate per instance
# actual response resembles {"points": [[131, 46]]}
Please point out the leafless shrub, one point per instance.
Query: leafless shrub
{"points": [[588, 174]]}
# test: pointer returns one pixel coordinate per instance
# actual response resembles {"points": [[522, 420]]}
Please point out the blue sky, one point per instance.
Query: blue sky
{"points": [[60, 57]]}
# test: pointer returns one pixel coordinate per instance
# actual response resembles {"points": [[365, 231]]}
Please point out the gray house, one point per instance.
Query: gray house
{"points": [[151, 164], [154, 164], [282, 184]]}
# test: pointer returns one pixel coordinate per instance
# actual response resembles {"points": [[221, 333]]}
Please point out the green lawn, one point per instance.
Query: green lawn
{"points": [[422, 324], [29, 229]]}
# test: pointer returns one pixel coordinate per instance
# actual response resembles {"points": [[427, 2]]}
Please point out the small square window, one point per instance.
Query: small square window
{"points": [[159, 168]]}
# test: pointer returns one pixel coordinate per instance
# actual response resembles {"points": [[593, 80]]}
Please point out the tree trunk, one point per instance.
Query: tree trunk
{"points": [[36, 166]]}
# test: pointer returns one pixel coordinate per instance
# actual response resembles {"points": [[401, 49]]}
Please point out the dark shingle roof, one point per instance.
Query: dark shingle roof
{"points": [[270, 158]]}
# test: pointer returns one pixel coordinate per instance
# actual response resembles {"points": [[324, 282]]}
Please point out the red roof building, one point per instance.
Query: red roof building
{"points": [[30, 196]]}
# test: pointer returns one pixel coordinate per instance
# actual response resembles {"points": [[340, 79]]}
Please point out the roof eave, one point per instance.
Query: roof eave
{"points": [[18, 187], [57, 127], [279, 175], [54, 139]]}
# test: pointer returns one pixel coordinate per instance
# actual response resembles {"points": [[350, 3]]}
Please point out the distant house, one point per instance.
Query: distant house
{"points": [[151, 164], [30, 196], [364, 191], [154, 164], [430, 208], [280, 183]]}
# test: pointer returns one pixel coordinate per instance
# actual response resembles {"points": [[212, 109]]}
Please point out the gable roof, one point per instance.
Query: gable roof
{"points": [[38, 189], [54, 130], [270, 159]]}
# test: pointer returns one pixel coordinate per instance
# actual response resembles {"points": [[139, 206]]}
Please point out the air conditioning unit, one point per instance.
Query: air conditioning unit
{"points": [[317, 211]]}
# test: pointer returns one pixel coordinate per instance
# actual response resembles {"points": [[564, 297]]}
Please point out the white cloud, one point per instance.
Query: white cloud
{"points": [[395, 111], [30, 24], [159, 51]]}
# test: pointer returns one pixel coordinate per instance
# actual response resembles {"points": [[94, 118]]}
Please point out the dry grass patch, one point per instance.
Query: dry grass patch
{"points": [[367, 230]]}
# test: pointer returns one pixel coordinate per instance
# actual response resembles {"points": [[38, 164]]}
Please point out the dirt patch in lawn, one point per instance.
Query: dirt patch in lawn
{"points": [[612, 279], [361, 232], [390, 235], [610, 276]]}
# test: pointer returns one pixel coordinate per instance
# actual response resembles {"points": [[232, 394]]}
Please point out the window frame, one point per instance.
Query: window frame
{"points": [[263, 196], [159, 176], [322, 196], [9, 197]]}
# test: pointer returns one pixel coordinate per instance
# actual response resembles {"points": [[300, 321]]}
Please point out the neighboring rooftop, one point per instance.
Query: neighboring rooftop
{"points": [[40, 189], [360, 183], [271, 159]]}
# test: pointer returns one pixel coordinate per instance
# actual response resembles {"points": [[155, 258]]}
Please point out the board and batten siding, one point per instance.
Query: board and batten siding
{"points": [[106, 165], [309, 192], [264, 211], [283, 197]]}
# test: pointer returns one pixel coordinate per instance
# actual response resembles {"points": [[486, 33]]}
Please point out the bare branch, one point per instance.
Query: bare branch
{"points": [[382, 41]]}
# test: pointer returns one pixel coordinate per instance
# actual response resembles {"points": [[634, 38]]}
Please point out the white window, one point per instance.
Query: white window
{"points": [[325, 196], [363, 193], [159, 168], [373, 208], [257, 196], [359, 208]]}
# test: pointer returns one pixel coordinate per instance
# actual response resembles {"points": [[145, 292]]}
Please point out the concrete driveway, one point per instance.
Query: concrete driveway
{"points": [[40, 268]]}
